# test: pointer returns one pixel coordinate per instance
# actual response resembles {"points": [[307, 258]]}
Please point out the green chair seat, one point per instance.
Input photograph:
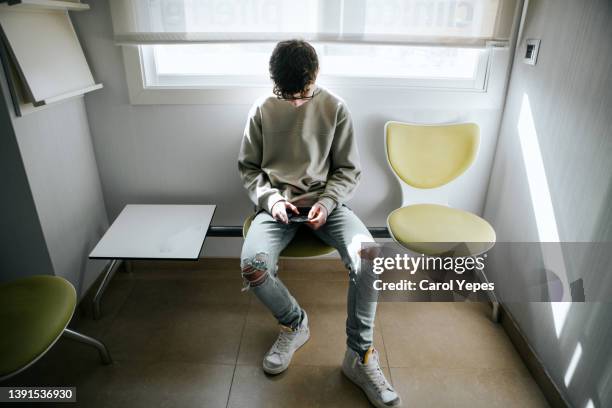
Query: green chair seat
{"points": [[433, 229], [33, 314], [305, 243]]}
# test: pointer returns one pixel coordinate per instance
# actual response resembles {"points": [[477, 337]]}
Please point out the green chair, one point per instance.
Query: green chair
{"points": [[427, 157], [34, 314], [305, 244]]}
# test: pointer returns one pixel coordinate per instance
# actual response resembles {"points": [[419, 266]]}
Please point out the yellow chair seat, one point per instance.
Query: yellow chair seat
{"points": [[433, 229], [305, 243]]}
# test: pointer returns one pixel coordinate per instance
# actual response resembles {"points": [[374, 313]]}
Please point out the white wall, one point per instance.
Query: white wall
{"points": [[58, 156], [54, 148], [568, 96], [188, 153], [23, 251]]}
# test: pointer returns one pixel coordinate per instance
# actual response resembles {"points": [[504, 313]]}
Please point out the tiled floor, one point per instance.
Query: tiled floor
{"points": [[191, 338]]}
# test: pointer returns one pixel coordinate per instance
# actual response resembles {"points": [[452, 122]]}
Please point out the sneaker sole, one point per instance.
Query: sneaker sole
{"points": [[377, 404], [276, 371]]}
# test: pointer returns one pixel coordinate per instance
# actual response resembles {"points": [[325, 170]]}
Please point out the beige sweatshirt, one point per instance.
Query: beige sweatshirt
{"points": [[300, 154]]}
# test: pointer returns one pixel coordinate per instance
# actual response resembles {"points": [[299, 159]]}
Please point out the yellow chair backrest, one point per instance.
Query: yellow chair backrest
{"points": [[430, 156]]}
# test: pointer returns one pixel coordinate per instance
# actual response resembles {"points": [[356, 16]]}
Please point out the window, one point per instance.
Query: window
{"points": [[246, 64], [214, 44]]}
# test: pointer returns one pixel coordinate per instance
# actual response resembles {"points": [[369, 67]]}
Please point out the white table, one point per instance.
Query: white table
{"points": [[152, 232]]}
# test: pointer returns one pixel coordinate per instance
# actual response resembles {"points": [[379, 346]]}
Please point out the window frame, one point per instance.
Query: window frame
{"points": [[138, 65]]}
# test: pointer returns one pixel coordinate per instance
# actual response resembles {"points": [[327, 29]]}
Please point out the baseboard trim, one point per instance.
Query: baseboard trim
{"points": [[540, 374]]}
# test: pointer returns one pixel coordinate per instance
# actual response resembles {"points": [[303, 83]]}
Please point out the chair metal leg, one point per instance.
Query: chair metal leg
{"points": [[104, 354], [495, 315], [495, 305], [108, 275]]}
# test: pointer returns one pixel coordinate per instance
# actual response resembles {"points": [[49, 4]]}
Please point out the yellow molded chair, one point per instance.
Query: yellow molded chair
{"points": [[34, 314], [428, 157], [305, 244]]}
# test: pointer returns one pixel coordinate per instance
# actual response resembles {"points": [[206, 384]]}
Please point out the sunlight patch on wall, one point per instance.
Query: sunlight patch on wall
{"points": [[536, 175], [571, 369], [543, 209]]}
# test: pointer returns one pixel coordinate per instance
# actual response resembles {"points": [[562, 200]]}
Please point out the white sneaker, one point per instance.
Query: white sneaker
{"points": [[289, 340], [370, 378]]}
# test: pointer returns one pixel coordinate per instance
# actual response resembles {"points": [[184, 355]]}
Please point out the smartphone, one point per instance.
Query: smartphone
{"points": [[300, 218]]}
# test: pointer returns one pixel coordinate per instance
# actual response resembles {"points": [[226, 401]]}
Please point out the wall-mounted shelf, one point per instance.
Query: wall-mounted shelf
{"points": [[48, 5], [71, 94], [41, 53]]}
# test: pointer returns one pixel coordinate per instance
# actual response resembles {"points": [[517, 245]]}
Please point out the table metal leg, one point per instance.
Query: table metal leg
{"points": [[104, 354], [108, 275]]}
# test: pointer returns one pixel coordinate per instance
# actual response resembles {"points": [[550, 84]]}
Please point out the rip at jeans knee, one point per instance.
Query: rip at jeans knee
{"points": [[353, 273], [255, 270]]}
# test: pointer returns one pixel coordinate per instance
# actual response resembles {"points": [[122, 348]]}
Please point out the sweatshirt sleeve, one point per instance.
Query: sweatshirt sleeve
{"points": [[254, 180], [345, 170]]}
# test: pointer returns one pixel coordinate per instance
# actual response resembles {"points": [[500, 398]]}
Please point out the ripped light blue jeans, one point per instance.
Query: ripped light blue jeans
{"points": [[345, 232]]}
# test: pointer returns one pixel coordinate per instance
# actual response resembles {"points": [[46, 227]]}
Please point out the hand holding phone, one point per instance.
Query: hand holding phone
{"points": [[280, 213], [301, 217], [317, 216]]}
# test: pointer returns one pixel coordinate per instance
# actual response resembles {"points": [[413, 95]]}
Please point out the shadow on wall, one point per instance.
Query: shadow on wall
{"points": [[604, 226], [373, 143], [581, 361], [585, 318], [594, 321], [590, 357]]}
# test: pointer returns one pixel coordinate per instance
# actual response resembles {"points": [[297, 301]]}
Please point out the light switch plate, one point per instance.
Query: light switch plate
{"points": [[532, 48]]}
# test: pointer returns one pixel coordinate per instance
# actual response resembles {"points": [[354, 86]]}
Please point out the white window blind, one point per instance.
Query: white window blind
{"points": [[432, 22], [43, 51]]}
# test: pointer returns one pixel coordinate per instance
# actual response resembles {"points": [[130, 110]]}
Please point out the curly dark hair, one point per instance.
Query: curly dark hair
{"points": [[293, 66]]}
